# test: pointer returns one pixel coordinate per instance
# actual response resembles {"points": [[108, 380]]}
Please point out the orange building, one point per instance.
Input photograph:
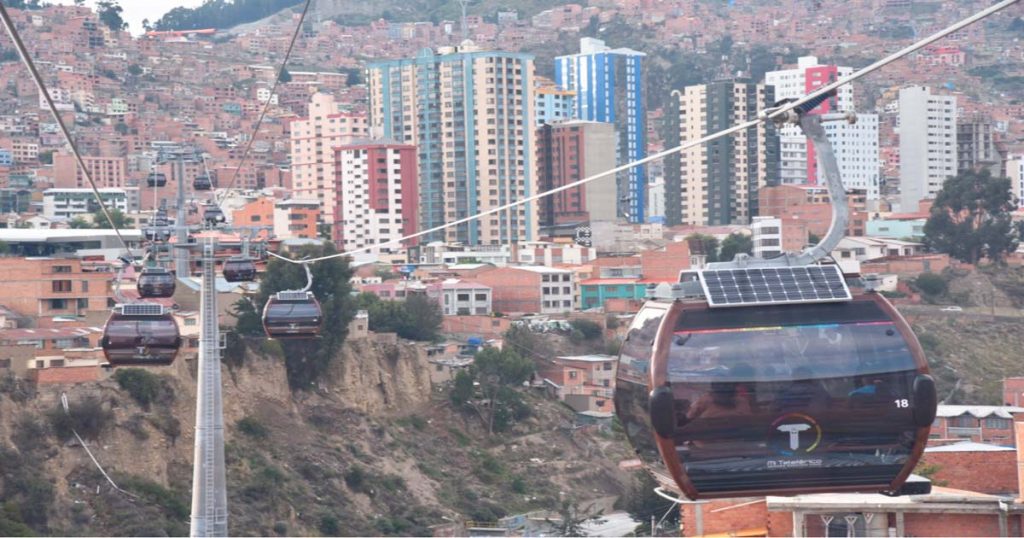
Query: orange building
{"points": [[296, 219], [257, 213], [47, 287]]}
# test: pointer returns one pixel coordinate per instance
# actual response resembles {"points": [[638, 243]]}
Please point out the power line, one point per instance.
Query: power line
{"points": [[27, 59], [765, 116], [270, 98]]}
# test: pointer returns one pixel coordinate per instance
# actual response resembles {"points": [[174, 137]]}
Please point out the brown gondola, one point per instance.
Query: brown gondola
{"points": [[155, 282], [212, 214], [239, 269], [777, 399], [156, 179], [140, 334], [292, 314], [202, 183]]}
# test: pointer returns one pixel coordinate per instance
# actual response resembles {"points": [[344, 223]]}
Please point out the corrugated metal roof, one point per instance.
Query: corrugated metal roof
{"points": [[969, 446], [978, 411]]}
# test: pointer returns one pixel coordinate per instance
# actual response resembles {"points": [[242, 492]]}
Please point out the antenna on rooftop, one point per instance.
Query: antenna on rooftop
{"points": [[465, 26]]}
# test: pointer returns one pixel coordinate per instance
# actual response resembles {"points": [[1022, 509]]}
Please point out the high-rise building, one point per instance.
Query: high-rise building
{"points": [[1015, 171], [797, 159], [568, 152], [717, 183], [553, 104], [377, 198], [609, 86], [976, 146], [928, 152], [855, 147], [470, 114], [313, 140]]}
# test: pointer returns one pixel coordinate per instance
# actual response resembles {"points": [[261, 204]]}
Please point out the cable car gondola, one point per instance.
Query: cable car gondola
{"points": [[292, 314], [769, 377], [239, 269], [140, 334], [156, 179], [155, 233], [155, 282], [202, 183], [212, 214]]}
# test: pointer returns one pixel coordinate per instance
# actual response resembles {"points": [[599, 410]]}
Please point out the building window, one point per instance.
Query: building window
{"points": [[58, 304], [572, 375], [481, 297], [61, 268], [965, 421], [997, 423], [61, 286]]}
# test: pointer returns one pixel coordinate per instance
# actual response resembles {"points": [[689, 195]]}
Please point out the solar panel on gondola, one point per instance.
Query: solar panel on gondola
{"points": [[767, 286]]}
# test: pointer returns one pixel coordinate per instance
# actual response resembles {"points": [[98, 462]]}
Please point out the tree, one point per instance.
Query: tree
{"points": [[734, 244], [971, 218], [307, 359], [100, 221], [423, 318], [572, 518], [702, 244], [79, 223], [643, 504], [110, 14], [5, 248], [931, 284], [498, 372], [134, 70], [462, 390]]}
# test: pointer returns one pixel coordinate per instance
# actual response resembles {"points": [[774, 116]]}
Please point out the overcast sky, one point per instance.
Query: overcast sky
{"points": [[136, 10]]}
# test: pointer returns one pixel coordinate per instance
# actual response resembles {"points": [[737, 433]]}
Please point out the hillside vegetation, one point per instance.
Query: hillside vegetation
{"points": [[371, 450]]}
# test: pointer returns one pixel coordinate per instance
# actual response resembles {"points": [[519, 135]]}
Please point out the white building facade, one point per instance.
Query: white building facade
{"points": [[856, 150], [766, 234], [376, 196], [68, 203], [928, 150]]}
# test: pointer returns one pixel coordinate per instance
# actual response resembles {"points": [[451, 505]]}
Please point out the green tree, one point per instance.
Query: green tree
{"points": [[134, 69], [100, 221], [643, 504], [703, 244], [971, 218], [733, 244], [307, 359], [5, 248], [110, 14], [498, 371], [79, 223], [462, 389], [423, 319]]}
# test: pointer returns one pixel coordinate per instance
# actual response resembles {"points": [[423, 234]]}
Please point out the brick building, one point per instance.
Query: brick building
{"points": [[536, 289], [583, 382], [979, 423], [48, 287], [568, 152], [809, 207], [296, 219]]}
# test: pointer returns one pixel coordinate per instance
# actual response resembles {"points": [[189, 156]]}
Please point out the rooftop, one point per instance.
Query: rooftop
{"points": [[587, 358], [969, 446], [978, 411]]}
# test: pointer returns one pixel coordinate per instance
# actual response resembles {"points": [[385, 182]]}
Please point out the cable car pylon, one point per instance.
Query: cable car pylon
{"points": [[209, 485]]}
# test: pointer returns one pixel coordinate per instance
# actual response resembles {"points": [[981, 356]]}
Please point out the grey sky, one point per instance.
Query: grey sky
{"points": [[137, 10]]}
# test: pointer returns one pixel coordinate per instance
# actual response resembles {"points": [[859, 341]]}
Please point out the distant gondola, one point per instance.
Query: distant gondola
{"points": [[155, 282], [156, 179], [202, 183], [292, 314], [140, 334], [239, 269], [212, 214]]}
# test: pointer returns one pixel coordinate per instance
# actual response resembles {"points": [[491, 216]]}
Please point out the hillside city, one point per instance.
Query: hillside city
{"points": [[382, 126]]}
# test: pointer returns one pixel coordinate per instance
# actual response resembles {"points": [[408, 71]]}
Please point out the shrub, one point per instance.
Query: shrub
{"points": [[252, 427], [172, 502], [329, 525], [88, 417], [144, 387], [518, 485], [587, 328], [931, 284], [355, 478]]}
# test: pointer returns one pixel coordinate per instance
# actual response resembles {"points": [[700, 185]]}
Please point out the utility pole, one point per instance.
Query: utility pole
{"points": [[209, 485]]}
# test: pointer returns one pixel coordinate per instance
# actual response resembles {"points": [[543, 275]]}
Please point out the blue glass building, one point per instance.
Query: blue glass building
{"points": [[609, 86]]}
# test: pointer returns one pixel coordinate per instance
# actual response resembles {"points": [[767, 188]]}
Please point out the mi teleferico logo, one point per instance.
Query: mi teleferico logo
{"points": [[794, 434]]}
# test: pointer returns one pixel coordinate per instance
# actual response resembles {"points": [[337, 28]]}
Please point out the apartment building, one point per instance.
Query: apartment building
{"points": [[297, 219], [797, 158], [991, 424], [855, 146], [469, 113], [377, 196], [553, 104], [766, 235], [530, 289], [609, 86], [584, 382], [68, 203], [462, 297], [313, 142], [49, 287], [107, 172], [717, 183], [928, 143], [1015, 171], [976, 144], [568, 152]]}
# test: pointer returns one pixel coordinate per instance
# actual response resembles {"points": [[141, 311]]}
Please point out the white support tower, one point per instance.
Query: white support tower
{"points": [[209, 485]]}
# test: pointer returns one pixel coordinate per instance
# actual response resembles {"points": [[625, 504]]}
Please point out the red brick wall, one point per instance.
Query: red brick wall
{"points": [[750, 516], [1013, 391], [984, 472], [482, 326], [664, 265], [512, 290], [955, 525], [64, 376], [915, 265]]}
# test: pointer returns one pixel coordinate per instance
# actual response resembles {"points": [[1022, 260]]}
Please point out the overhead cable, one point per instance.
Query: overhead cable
{"points": [[266, 106], [27, 59]]}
